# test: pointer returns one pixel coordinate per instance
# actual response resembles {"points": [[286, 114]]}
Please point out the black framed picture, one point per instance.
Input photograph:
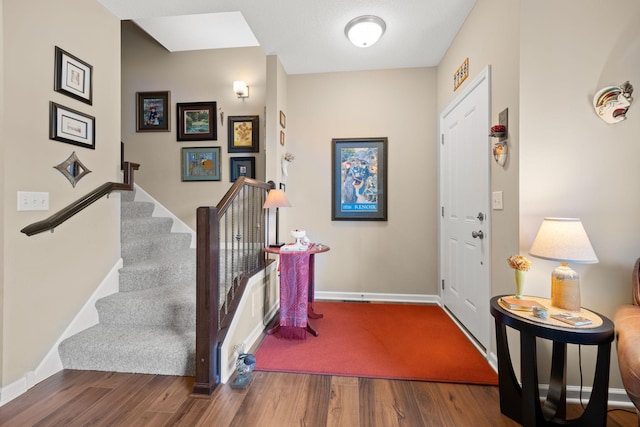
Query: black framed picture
{"points": [[359, 179], [152, 111], [243, 134], [197, 121], [73, 77], [242, 166], [71, 126], [201, 164]]}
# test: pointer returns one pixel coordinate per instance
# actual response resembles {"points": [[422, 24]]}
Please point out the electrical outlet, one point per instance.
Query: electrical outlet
{"points": [[496, 200], [33, 201]]}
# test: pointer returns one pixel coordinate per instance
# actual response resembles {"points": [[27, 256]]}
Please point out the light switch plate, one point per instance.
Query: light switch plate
{"points": [[33, 201], [496, 200]]}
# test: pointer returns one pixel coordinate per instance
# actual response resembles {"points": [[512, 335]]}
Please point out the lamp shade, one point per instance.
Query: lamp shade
{"points": [[276, 199], [563, 240]]}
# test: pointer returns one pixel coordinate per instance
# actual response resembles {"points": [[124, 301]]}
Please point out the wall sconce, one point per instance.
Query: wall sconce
{"points": [[241, 89]]}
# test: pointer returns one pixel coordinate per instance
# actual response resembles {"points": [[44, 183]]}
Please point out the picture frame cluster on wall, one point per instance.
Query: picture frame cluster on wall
{"points": [[197, 121], [73, 77], [359, 179]]}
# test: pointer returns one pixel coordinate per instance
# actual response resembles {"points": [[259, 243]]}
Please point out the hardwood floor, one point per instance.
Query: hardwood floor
{"points": [[82, 398]]}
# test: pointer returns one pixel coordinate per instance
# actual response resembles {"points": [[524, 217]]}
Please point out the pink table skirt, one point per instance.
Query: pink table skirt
{"points": [[294, 294]]}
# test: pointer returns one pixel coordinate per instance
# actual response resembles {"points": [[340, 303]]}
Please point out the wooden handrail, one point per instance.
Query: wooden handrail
{"points": [[235, 189], [65, 213]]}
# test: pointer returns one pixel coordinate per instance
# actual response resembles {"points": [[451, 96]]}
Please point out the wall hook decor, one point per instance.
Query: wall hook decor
{"points": [[500, 131], [612, 103]]}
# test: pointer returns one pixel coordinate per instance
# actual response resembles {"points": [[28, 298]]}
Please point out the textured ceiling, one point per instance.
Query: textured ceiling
{"points": [[307, 35]]}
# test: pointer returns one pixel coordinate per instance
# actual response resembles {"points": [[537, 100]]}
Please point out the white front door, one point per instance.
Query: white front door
{"points": [[464, 201]]}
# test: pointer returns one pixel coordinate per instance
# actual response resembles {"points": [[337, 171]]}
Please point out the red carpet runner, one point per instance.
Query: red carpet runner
{"points": [[396, 341]]}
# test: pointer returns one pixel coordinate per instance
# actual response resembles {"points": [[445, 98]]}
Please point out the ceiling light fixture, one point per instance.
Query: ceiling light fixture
{"points": [[365, 31]]}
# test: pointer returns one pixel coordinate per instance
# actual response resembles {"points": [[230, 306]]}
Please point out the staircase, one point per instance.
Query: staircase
{"points": [[149, 325]]}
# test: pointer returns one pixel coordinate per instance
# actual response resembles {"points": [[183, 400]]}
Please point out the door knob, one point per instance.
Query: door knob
{"points": [[477, 234], [480, 216]]}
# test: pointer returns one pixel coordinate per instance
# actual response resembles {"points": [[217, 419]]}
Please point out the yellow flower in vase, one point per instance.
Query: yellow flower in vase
{"points": [[520, 264]]}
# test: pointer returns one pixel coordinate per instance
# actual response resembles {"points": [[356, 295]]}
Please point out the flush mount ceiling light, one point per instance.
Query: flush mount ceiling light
{"points": [[365, 31]]}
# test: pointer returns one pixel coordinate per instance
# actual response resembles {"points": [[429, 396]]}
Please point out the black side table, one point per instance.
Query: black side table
{"points": [[522, 403]]}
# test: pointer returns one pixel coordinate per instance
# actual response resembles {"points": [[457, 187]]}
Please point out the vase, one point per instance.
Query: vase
{"points": [[519, 283]]}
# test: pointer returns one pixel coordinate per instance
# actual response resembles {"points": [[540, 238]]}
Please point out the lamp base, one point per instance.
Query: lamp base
{"points": [[565, 288]]}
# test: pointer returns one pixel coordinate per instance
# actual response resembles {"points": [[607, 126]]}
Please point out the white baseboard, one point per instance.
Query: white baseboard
{"points": [[160, 211], [51, 364], [377, 297]]}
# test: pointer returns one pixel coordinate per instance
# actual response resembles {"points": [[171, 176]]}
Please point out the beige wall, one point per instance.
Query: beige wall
{"points": [[572, 163], [193, 76], [396, 256], [48, 277]]}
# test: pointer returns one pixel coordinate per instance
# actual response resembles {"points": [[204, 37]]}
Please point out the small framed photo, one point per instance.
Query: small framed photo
{"points": [[242, 166], [283, 120], [152, 111], [359, 179], [71, 126], [73, 77], [281, 137], [243, 134], [197, 121], [201, 164]]}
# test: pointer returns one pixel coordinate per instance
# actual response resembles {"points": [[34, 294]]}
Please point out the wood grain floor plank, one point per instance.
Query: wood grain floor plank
{"points": [[124, 391], [344, 403], [271, 400], [67, 414], [379, 405], [223, 406]]}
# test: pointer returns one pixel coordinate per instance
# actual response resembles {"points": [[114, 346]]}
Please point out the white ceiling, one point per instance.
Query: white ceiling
{"points": [[307, 35]]}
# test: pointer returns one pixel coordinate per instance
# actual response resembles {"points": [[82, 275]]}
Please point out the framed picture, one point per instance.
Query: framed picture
{"points": [[242, 166], [201, 164], [281, 137], [73, 77], [152, 111], [283, 120], [197, 121], [243, 134], [359, 179], [71, 126]]}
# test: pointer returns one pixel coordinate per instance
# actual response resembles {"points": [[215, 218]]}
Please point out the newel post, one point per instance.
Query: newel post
{"points": [[207, 297]]}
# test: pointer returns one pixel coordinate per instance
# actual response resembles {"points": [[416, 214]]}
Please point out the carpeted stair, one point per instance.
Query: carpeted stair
{"points": [[149, 326]]}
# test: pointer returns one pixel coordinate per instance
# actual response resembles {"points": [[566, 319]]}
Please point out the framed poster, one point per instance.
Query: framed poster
{"points": [[152, 111], [73, 77], [71, 126], [242, 166], [201, 164], [197, 121], [243, 134], [359, 179]]}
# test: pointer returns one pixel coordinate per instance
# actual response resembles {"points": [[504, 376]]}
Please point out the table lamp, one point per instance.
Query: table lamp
{"points": [[276, 199], [564, 240]]}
